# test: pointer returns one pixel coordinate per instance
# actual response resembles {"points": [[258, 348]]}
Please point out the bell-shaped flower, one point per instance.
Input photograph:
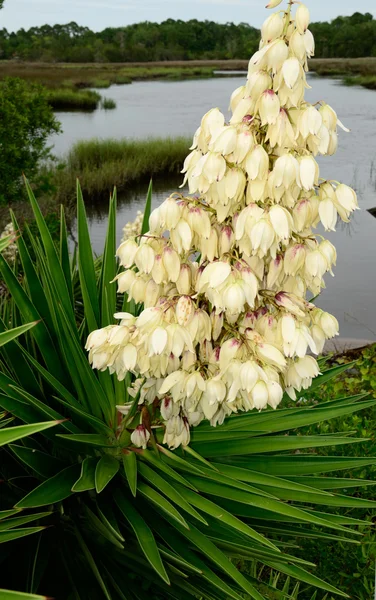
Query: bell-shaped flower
{"points": [[297, 46], [286, 171], [127, 252], [258, 82], [309, 172], [212, 122], [171, 263], [309, 43], [214, 167], [257, 163], [268, 107], [281, 221], [225, 141], [184, 280], [328, 214], [144, 258], [244, 107], [291, 70], [281, 132], [244, 143], [275, 393]]}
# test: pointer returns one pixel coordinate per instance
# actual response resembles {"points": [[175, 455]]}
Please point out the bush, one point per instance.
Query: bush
{"points": [[26, 122]]}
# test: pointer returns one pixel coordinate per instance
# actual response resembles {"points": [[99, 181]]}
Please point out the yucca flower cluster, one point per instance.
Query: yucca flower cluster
{"points": [[223, 274], [132, 229]]}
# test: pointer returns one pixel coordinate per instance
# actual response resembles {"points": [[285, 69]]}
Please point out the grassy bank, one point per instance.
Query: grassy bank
{"points": [[367, 81], [103, 75], [102, 164], [354, 71]]}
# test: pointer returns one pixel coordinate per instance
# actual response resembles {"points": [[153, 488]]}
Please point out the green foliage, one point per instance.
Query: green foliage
{"points": [[350, 567], [84, 520], [349, 36], [26, 122], [170, 40]]}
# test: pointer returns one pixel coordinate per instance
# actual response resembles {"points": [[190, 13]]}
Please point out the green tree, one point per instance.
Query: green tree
{"points": [[26, 122]]}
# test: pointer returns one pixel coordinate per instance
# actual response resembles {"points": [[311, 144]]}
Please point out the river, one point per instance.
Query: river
{"points": [[156, 108]]}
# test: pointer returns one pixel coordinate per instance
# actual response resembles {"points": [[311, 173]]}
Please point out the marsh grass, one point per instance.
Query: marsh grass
{"points": [[108, 104], [101, 76], [102, 164], [367, 81], [354, 71], [69, 99]]}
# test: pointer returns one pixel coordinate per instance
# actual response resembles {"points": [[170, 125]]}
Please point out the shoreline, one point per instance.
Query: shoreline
{"points": [[75, 76]]}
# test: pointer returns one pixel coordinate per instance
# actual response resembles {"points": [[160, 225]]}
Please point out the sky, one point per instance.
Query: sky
{"points": [[98, 14]]}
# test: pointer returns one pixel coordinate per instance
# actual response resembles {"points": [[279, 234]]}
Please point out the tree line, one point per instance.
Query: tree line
{"points": [[344, 37]]}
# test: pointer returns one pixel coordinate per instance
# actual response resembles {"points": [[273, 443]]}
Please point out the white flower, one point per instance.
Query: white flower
{"points": [[269, 107], [302, 18], [221, 278]]}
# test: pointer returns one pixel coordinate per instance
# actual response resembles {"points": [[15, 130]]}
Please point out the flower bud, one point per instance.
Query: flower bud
{"points": [[309, 172], [158, 272], [140, 437], [273, 3], [171, 263], [184, 281], [272, 28], [328, 214], [260, 395], [275, 393], [302, 18]]}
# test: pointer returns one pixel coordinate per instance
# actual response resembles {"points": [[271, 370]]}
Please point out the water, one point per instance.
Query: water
{"points": [[147, 109]]}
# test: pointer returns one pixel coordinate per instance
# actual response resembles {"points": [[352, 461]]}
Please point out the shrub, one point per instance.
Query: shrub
{"points": [[26, 122]]}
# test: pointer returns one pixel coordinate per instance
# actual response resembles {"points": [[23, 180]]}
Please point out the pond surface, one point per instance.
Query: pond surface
{"points": [[149, 109]]}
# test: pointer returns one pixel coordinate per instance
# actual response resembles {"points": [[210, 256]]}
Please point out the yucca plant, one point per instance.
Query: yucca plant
{"points": [[83, 517]]}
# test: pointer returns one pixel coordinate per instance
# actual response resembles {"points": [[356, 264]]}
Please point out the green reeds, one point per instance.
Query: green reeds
{"points": [[102, 164], [108, 104]]}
